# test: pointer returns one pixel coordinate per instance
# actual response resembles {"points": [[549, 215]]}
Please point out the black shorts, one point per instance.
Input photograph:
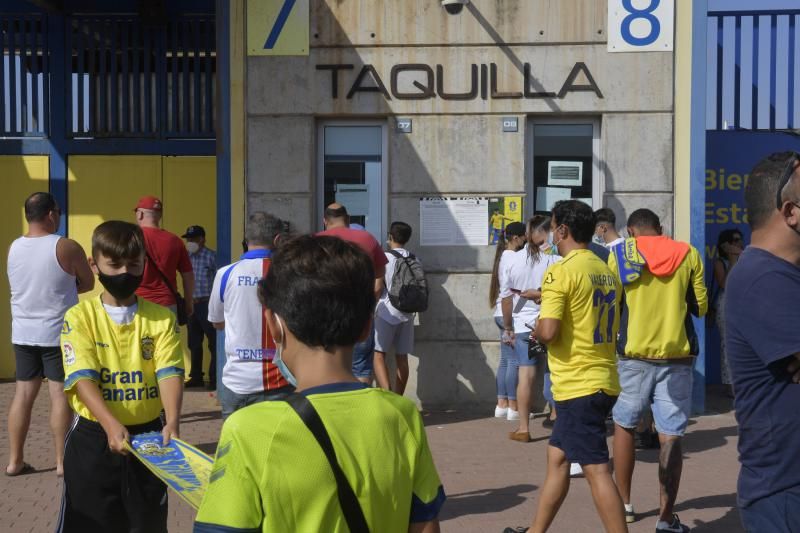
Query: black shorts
{"points": [[39, 362], [580, 428], [105, 491]]}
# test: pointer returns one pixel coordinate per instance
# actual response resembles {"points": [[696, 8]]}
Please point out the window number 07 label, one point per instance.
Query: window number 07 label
{"points": [[641, 25]]}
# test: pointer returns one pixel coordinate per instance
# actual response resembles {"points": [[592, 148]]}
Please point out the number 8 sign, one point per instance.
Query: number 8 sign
{"points": [[641, 25]]}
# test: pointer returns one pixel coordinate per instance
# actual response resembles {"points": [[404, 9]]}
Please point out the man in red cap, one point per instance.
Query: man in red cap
{"points": [[166, 255]]}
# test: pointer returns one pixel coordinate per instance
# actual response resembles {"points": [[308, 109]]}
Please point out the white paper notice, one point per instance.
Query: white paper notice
{"points": [[546, 197], [453, 221], [564, 173]]}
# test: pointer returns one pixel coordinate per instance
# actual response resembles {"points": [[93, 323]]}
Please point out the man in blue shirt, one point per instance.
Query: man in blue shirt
{"points": [[204, 264], [762, 312]]}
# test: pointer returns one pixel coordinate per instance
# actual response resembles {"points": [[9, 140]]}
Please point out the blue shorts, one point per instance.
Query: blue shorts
{"points": [[521, 349], [363, 354], [778, 513], [666, 388], [580, 428]]}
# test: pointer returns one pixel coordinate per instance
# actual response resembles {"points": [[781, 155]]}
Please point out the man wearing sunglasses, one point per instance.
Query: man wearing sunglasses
{"points": [[763, 344]]}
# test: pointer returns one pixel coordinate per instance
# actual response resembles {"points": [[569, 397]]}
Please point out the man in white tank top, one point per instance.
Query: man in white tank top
{"points": [[46, 272]]}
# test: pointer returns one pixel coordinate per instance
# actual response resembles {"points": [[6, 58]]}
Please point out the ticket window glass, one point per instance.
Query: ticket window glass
{"points": [[352, 165], [564, 163]]}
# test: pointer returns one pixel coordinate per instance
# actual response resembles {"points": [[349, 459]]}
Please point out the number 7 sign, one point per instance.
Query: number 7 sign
{"points": [[277, 27]]}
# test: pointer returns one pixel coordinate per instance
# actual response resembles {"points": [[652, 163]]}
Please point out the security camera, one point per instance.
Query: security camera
{"points": [[454, 7]]}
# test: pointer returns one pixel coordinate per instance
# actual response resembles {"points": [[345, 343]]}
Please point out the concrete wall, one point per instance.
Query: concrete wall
{"points": [[457, 147]]}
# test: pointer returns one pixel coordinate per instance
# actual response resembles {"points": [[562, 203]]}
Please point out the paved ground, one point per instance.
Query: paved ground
{"points": [[491, 482]]}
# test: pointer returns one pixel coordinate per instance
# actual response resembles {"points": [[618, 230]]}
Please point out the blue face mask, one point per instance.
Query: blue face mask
{"points": [[278, 361]]}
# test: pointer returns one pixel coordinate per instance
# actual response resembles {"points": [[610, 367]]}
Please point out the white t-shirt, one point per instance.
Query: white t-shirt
{"points": [[525, 273], [122, 315], [248, 344], [502, 275], [615, 242], [385, 310]]}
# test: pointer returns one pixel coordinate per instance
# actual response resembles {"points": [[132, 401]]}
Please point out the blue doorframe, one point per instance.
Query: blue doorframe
{"points": [[697, 166]]}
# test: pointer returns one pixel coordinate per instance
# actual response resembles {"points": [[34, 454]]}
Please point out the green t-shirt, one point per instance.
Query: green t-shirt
{"points": [[270, 474]]}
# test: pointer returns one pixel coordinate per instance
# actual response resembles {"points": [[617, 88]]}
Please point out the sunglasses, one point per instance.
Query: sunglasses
{"points": [[791, 164]]}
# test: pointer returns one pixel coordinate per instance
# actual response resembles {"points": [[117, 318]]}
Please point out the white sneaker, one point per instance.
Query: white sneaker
{"points": [[500, 412], [575, 470], [512, 415]]}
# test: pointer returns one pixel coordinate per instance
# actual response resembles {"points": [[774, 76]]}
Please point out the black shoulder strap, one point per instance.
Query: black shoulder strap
{"points": [[401, 256], [347, 498], [173, 290]]}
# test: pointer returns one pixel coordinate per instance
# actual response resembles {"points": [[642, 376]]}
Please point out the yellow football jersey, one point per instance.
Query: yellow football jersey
{"points": [[583, 294], [126, 362], [658, 307]]}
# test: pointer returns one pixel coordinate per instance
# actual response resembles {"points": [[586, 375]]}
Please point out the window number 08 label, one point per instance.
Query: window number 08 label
{"points": [[641, 25]]}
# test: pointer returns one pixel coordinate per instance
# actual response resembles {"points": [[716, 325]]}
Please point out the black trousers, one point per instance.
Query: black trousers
{"points": [[199, 326], [108, 492]]}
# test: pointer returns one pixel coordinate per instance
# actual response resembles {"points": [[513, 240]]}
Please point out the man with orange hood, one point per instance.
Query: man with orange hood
{"points": [[663, 285]]}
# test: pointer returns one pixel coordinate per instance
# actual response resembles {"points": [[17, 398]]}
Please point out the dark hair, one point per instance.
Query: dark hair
{"points": [[606, 215], [262, 228], [577, 216], [38, 205], [726, 236], [762, 187], [323, 288], [644, 218], [513, 229], [118, 240], [400, 232]]}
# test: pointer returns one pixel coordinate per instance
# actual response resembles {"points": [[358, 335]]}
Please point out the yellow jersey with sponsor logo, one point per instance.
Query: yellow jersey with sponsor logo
{"points": [[125, 361], [583, 294]]}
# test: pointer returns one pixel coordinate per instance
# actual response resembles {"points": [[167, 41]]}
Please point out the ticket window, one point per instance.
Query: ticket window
{"points": [[352, 170], [564, 163]]}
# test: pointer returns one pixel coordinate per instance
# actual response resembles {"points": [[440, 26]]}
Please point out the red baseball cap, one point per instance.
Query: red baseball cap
{"points": [[149, 202]]}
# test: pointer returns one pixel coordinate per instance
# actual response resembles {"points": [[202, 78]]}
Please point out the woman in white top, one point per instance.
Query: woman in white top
{"points": [[512, 239]]}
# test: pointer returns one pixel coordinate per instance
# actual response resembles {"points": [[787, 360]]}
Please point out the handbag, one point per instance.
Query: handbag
{"points": [[353, 514], [180, 302]]}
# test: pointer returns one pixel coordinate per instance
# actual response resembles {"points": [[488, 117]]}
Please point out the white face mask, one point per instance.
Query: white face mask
{"points": [[278, 360], [192, 247]]}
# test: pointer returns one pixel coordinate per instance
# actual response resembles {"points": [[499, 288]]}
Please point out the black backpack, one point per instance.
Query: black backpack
{"points": [[409, 290]]}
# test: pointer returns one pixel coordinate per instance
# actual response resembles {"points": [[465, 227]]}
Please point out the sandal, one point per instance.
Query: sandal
{"points": [[26, 469]]}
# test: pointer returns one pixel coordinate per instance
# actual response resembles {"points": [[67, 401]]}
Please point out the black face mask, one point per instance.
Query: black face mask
{"points": [[120, 286]]}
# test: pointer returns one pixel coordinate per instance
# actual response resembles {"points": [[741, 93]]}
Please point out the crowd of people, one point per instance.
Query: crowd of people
{"points": [[309, 321]]}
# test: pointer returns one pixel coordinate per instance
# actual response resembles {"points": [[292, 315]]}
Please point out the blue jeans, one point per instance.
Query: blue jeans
{"points": [[363, 354], [231, 401], [507, 370], [779, 513]]}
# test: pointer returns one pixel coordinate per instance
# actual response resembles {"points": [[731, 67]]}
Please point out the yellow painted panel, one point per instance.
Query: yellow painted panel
{"points": [[190, 195], [190, 198], [21, 176], [104, 188], [267, 16]]}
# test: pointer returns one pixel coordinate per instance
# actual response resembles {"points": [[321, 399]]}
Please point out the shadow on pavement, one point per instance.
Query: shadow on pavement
{"points": [[201, 416], [485, 501], [209, 448], [441, 418], [728, 523], [695, 442]]}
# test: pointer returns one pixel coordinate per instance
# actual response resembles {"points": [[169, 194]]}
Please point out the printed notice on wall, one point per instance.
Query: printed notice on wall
{"points": [[453, 221]]}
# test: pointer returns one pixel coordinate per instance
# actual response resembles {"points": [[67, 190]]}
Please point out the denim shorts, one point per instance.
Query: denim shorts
{"points": [[363, 355], [664, 387], [232, 402], [580, 428], [521, 349]]}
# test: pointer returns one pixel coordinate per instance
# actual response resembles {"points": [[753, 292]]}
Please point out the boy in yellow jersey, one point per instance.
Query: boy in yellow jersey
{"points": [[271, 473], [663, 284], [123, 363], [578, 322]]}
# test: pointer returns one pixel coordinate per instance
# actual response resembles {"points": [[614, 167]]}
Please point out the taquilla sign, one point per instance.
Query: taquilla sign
{"points": [[435, 81]]}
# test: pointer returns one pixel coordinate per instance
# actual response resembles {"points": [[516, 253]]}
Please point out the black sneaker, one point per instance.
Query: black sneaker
{"points": [[674, 527], [194, 384], [518, 529], [548, 423]]}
